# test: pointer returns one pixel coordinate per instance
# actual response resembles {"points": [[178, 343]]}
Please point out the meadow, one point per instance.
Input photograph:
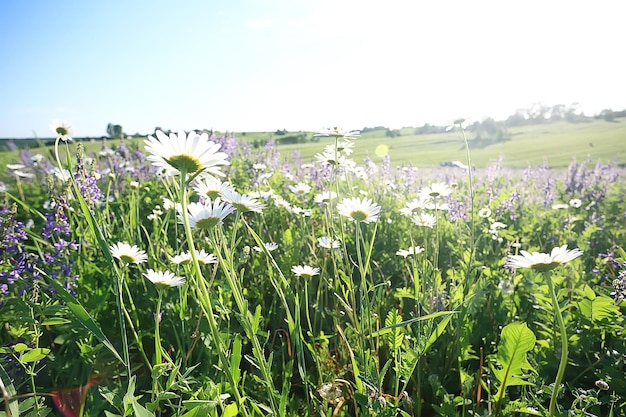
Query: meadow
{"points": [[195, 275]]}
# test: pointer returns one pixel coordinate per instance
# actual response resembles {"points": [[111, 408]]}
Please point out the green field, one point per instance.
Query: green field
{"points": [[556, 143]]}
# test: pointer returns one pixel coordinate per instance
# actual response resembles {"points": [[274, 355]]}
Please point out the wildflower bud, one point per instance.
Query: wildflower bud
{"points": [[602, 385]]}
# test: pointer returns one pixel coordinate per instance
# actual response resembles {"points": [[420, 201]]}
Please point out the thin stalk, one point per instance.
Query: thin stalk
{"points": [[204, 296], [564, 346]]}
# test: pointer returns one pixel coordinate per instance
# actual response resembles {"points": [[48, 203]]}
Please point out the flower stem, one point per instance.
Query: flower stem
{"points": [[204, 297], [564, 347]]}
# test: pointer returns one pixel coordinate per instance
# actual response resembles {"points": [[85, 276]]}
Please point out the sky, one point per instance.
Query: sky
{"points": [[263, 65]]}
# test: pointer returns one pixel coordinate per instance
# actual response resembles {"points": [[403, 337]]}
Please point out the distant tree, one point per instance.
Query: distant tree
{"points": [[114, 131], [392, 133]]}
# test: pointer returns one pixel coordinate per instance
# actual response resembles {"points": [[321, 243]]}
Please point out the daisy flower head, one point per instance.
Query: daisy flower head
{"points": [[325, 197], [242, 202], [164, 279], [345, 147], [435, 190], [208, 214], [484, 213], [269, 246], [542, 261], [128, 254], [336, 132], [414, 250], [300, 189], [203, 258], [211, 187], [359, 209], [328, 242], [304, 271], [424, 220], [575, 202], [411, 206], [62, 129], [190, 153], [330, 157]]}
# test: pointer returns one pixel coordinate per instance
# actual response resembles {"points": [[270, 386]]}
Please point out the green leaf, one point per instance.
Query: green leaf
{"points": [[599, 308], [516, 340], [230, 410], [34, 355], [395, 337], [20, 347], [83, 317], [235, 359], [53, 321]]}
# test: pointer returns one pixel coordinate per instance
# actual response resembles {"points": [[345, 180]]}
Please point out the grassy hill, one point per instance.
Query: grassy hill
{"points": [[556, 143]]}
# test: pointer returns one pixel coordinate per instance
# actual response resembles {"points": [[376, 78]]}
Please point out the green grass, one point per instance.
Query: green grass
{"points": [[556, 143]]}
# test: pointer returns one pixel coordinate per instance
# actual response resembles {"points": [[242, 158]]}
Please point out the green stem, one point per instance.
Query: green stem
{"points": [[564, 347], [204, 296]]}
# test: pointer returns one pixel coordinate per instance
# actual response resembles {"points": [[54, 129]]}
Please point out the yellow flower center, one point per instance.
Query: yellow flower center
{"points": [[207, 223], [358, 215], [545, 267], [185, 163], [127, 259]]}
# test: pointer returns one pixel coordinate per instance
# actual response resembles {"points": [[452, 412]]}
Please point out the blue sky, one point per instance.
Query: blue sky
{"points": [[262, 65]]}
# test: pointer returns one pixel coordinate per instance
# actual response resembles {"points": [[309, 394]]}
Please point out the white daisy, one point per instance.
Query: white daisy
{"points": [[359, 209], [211, 187], [208, 214], [328, 242], [192, 153], [438, 189], [164, 279], [325, 197], [203, 258], [334, 158], [344, 147], [542, 261], [128, 254], [336, 132], [424, 220], [410, 251], [242, 202], [269, 246], [484, 213], [62, 129], [304, 271], [411, 206], [575, 202], [300, 189]]}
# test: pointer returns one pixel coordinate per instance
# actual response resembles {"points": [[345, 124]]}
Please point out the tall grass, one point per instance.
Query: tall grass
{"points": [[354, 289]]}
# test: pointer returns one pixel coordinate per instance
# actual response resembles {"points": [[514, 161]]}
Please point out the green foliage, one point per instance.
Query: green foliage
{"points": [[512, 364]]}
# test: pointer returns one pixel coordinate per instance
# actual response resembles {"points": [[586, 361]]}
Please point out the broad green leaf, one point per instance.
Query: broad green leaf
{"points": [[83, 317], [516, 340], [34, 355], [230, 410], [20, 347], [599, 308]]}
